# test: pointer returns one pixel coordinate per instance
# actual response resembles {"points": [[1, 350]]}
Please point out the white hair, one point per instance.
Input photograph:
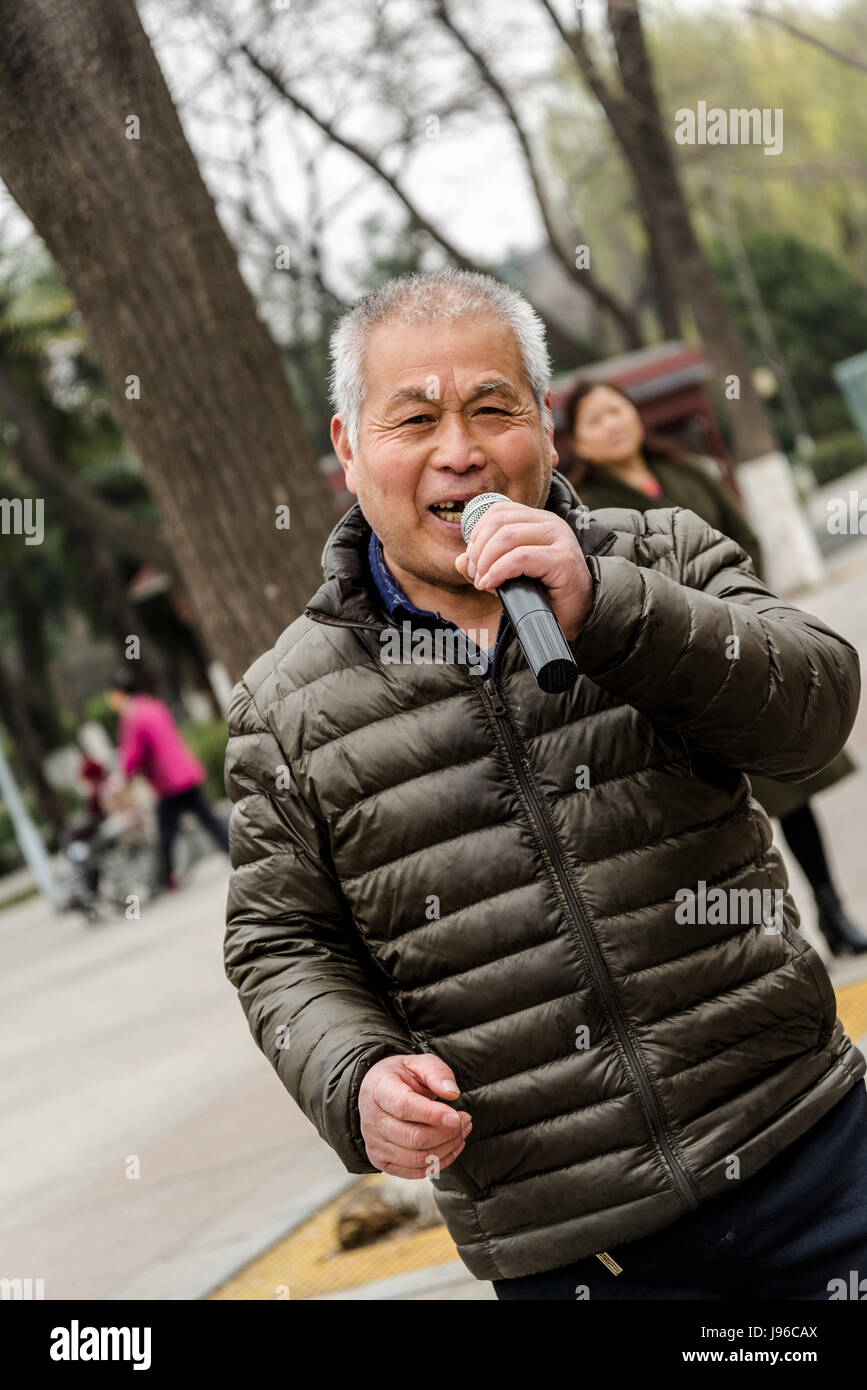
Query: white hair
{"points": [[423, 297]]}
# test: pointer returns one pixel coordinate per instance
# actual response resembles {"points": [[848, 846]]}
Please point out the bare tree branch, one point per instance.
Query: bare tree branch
{"points": [[625, 115], [358, 151], [759, 12], [587, 281], [417, 218], [613, 104]]}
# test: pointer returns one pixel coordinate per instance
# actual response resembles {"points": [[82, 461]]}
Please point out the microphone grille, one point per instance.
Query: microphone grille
{"points": [[476, 508]]}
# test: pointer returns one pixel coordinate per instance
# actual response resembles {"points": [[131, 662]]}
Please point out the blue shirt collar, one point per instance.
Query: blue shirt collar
{"points": [[396, 603], [391, 595]]}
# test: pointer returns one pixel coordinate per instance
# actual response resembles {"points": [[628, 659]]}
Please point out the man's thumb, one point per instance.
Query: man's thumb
{"points": [[436, 1075]]}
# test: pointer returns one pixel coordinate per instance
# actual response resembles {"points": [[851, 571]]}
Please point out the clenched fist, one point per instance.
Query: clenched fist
{"points": [[403, 1125], [510, 539]]}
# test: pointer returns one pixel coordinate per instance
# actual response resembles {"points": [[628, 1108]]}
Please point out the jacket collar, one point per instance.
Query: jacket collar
{"points": [[346, 596]]}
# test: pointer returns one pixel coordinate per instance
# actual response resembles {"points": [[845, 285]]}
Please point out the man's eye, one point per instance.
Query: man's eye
{"points": [[413, 419], [498, 410]]}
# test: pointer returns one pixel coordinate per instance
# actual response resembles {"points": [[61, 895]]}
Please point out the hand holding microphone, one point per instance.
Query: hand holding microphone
{"points": [[532, 559]]}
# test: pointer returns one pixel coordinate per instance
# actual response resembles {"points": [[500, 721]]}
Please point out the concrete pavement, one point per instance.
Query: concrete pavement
{"points": [[125, 1045]]}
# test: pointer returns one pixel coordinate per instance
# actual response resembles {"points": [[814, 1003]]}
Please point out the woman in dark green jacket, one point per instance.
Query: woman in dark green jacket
{"points": [[616, 463]]}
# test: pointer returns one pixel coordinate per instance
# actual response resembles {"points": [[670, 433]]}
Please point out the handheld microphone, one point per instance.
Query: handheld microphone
{"points": [[528, 609]]}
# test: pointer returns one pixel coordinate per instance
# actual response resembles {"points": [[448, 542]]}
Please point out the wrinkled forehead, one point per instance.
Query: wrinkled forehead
{"points": [[403, 359]]}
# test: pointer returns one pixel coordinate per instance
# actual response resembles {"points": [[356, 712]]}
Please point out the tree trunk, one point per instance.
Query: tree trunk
{"points": [[92, 150], [663, 280], [636, 123], [649, 151], [23, 598]]}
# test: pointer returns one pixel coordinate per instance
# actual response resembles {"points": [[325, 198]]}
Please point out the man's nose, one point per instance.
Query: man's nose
{"points": [[455, 445]]}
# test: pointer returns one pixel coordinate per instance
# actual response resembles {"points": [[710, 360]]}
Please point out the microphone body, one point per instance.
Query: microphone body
{"points": [[528, 609]]}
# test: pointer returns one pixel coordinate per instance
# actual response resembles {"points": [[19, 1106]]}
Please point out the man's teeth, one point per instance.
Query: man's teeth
{"points": [[449, 511]]}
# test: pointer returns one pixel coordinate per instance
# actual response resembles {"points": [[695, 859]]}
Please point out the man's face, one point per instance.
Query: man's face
{"points": [[448, 414]]}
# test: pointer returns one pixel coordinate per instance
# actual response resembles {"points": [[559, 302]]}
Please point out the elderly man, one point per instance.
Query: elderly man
{"points": [[564, 909]]}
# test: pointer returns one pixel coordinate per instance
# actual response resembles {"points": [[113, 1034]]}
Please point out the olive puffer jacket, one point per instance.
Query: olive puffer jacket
{"points": [[690, 485], [426, 862]]}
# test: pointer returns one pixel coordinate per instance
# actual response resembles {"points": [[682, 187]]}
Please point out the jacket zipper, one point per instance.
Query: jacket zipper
{"points": [[600, 970]]}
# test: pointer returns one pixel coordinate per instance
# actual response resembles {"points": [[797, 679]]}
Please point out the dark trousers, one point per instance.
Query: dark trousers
{"points": [[786, 1232], [169, 811]]}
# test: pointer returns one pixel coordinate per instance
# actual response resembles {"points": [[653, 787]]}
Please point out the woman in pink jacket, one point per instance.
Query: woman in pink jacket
{"points": [[150, 743]]}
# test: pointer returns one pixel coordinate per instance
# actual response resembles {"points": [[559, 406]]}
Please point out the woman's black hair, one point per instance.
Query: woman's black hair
{"points": [[654, 445], [126, 680]]}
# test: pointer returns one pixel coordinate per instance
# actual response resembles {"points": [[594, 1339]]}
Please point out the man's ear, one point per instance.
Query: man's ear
{"points": [[340, 443], [555, 457]]}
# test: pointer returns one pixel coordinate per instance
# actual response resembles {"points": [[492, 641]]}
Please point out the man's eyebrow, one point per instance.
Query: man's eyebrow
{"points": [[500, 386], [408, 393]]}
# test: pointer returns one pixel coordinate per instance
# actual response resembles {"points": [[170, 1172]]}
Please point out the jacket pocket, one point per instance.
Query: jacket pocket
{"points": [[460, 1179], [827, 996], [811, 965], [456, 1176]]}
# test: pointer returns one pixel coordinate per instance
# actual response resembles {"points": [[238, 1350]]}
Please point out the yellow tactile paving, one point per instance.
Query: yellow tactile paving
{"points": [[308, 1262], [852, 1009]]}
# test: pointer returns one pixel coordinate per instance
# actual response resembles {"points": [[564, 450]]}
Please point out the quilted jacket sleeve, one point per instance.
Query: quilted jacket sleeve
{"points": [[289, 948], [741, 674]]}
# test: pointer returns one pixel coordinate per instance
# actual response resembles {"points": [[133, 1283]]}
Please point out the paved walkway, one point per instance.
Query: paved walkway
{"points": [[128, 1041], [126, 1044]]}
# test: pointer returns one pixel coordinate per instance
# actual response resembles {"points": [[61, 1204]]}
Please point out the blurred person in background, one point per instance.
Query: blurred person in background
{"points": [[80, 835], [617, 463], [94, 777], [150, 744]]}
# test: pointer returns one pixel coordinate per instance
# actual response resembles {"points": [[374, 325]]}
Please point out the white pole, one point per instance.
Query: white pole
{"points": [[26, 833], [791, 559], [221, 684]]}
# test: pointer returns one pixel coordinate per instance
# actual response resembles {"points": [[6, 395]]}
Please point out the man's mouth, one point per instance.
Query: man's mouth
{"points": [[448, 511]]}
